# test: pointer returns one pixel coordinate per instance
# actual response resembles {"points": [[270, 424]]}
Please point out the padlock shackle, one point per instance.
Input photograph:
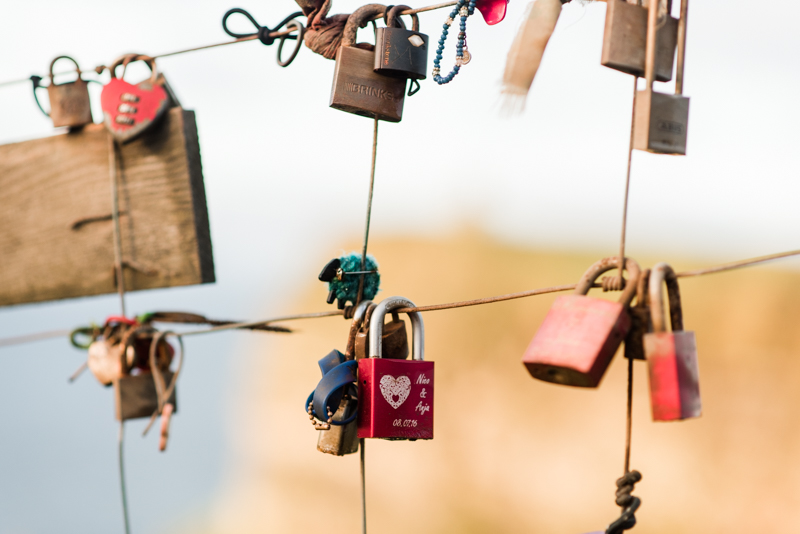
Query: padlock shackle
{"points": [[681, 47], [358, 19], [393, 19], [376, 327], [358, 318], [663, 273], [606, 264], [130, 58], [650, 47], [53, 64]]}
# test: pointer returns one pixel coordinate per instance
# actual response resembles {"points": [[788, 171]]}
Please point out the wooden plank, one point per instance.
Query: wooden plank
{"points": [[47, 185]]}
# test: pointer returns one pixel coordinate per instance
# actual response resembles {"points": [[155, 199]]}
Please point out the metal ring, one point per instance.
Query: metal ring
{"points": [[300, 33]]}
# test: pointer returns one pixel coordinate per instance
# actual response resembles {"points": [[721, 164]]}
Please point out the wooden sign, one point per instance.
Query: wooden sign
{"points": [[56, 232]]}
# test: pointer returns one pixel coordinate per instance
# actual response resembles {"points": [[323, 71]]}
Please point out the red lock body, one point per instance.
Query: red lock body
{"points": [[395, 397], [580, 334], [671, 356]]}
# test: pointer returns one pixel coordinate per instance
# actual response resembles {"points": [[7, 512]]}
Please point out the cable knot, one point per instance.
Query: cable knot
{"points": [[264, 35], [612, 283], [625, 486]]}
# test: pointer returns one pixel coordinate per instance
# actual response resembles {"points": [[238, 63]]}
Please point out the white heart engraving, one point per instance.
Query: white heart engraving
{"points": [[392, 387]]}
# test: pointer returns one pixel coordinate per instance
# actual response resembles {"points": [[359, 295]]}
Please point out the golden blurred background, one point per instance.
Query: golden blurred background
{"points": [[512, 454]]}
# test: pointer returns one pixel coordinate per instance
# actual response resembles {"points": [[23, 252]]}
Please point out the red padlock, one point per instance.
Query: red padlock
{"points": [[671, 356], [395, 397], [580, 334]]}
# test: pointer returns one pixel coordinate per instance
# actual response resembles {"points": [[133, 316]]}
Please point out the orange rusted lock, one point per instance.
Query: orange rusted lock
{"points": [[671, 356], [581, 334]]}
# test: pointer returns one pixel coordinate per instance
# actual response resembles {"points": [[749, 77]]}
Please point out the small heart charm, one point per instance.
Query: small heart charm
{"points": [[392, 387], [129, 109], [493, 11]]}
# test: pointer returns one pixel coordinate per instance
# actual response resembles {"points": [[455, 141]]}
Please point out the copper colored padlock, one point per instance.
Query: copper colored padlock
{"points": [[671, 356], [394, 338], [356, 87], [69, 102], [580, 334], [625, 40], [661, 120]]}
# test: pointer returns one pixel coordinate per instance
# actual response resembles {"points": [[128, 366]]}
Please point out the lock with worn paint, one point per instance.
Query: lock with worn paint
{"points": [[69, 102], [394, 338], [395, 396], [357, 88], [581, 334], [671, 356], [661, 120], [625, 40], [399, 52], [128, 109]]}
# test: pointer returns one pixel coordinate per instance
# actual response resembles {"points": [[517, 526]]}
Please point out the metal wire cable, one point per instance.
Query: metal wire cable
{"points": [[369, 213], [627, 188], [235, 41]]}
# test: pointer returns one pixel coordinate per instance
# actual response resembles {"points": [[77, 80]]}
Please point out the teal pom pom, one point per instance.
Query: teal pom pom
{"points": [[346, 289]]}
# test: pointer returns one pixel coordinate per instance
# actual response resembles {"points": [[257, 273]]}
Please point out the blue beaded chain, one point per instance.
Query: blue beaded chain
{"points": [[465, 8]]}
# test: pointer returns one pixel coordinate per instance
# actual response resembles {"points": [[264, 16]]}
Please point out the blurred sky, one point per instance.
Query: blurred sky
{"points": [[286, 182]]}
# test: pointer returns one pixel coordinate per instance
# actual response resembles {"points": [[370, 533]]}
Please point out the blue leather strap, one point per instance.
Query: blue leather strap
{"points": [[330, 390], [329, 362]]}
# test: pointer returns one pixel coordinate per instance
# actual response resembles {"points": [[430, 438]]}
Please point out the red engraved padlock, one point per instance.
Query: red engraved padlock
{"points": [[395, 397], [581, 334], [671, 356]]}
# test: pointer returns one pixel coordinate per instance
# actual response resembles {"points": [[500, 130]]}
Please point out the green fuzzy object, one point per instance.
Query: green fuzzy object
{"points": [[347, 288]]}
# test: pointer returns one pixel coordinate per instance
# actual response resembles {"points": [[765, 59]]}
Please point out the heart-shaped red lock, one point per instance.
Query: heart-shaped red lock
{"points": [[131, 109], [493, 11]]}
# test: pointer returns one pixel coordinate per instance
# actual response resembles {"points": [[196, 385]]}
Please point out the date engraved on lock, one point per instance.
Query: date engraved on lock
{"points": [[369, 91], [405, 423]]}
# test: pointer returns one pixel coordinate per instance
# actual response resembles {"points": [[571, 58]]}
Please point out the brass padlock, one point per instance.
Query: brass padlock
{"points": [[399, 52], [394, 338], [69, 102], [357, 88], [625, 39], [661, 120]]}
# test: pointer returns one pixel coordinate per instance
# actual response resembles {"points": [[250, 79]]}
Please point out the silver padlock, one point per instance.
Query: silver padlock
{"points": [[625, 39], [357, 88], [661, 120]]}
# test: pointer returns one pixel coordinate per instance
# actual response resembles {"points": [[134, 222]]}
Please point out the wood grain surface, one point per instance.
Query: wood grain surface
{"points": [[49, 184]]}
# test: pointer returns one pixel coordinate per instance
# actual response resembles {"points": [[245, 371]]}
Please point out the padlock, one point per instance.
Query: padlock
{"points": [[130, 109], [137, 395], [640, 320], [671, 356], [357, 88], [394, 338], [581, 334], [661, 120], [399, 52], [340, 439], [395, 396], [69, 102], [625, 40]]}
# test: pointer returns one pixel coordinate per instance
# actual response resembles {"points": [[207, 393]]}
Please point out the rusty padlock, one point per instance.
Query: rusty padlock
{"points": [[661, 120], [395, 396], [671, 356], [357, 88], [625, 39], [69, 102], [394, 338], [399, 52], [580, 334]]}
